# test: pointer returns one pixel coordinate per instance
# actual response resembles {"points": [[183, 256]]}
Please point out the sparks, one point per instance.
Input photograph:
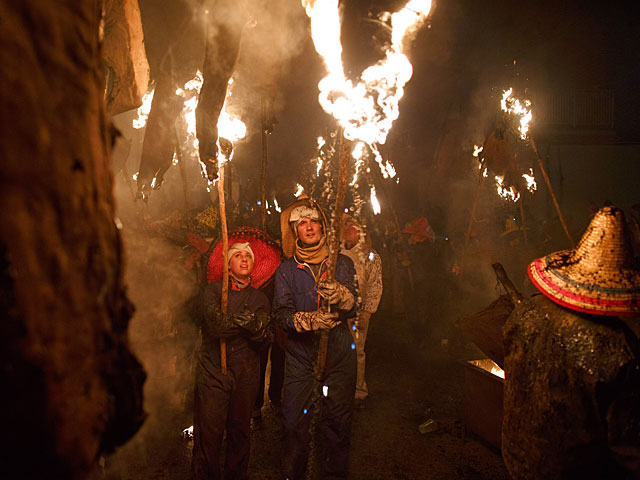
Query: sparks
{"points": [[374, 201], [358, 155], [299, 190], [277, 207]]}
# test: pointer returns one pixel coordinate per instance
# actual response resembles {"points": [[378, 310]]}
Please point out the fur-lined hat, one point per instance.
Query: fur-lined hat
{"points": [[289, 236]]}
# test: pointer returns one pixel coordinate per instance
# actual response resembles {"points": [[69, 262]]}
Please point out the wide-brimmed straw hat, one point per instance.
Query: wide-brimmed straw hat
{"points": [[265, 250], [598, 276], [288, 236]]}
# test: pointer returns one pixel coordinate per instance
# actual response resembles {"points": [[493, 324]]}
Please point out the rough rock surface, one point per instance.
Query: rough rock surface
{"points": [[572, 394], [71, 388]]}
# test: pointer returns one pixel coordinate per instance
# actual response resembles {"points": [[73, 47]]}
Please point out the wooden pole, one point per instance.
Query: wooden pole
{"points": [[553, 195], [225, 264], [263, 171], [344, 158]]}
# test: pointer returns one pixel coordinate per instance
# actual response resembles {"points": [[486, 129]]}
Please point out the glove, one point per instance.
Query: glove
{"points": [[254, 323], [312, 321], [220, 326], [336, 294]]}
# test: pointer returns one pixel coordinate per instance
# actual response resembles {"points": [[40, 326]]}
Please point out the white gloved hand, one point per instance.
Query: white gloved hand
{"points": [[336, 294], [312, 321]]}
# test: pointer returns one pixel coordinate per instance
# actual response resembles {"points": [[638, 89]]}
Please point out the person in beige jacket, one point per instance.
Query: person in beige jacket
{"points": [[357, 245]]}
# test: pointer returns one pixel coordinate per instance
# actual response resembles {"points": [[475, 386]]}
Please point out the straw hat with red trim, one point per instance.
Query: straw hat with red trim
{"points": [[265, 250], [596, 277], [288, 235]]}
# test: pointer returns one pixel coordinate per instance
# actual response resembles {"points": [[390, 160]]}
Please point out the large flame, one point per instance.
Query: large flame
{"points": [[229, 126], [522, 110], [508, 193], [191, 92], [143, 110], [366, 110]]}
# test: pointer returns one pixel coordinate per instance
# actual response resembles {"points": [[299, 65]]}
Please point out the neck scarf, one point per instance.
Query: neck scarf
{"points": [[312, 254]]}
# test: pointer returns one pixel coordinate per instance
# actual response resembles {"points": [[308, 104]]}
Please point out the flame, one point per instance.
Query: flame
{"points": [[506, 193], [532, 186], [366, 110], [374, 201], [190, 92], [229, 127], [143, 110], [513, 106], [299, 190]]}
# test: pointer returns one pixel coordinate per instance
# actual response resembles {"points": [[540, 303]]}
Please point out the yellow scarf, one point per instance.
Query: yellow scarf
{"points": [[312, 254]]}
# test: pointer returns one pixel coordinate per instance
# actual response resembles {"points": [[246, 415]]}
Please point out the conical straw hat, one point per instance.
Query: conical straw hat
{"points": [[288, 236], [265, 251], [598, 276]]}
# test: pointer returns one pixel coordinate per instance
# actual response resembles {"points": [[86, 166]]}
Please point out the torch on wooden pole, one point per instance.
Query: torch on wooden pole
{"points": [[225, 264], [553, 195], [344, 158]]}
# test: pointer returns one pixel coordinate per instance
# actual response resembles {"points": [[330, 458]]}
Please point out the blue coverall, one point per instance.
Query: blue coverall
{"points": [[296, 291]]}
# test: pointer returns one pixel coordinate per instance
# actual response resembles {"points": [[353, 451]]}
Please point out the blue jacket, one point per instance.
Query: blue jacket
{"points": [[296, 291]]}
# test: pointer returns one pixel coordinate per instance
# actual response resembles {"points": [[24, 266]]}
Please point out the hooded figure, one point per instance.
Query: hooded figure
{"points": [[300, 284], [356, 245]]}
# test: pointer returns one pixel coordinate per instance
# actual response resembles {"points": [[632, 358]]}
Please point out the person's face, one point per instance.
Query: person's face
{"points": [[309, 231], [351, 235], [240, 265]]}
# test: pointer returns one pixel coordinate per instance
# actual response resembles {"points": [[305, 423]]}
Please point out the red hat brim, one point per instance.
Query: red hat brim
{"points": [[265, 250]]}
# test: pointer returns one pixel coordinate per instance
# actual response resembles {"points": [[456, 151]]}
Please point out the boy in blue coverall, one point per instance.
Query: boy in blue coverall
{"points": [[299, 284]]}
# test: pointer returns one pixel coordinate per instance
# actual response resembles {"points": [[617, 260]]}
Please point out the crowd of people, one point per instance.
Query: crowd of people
{"points": [[315, 324]]}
